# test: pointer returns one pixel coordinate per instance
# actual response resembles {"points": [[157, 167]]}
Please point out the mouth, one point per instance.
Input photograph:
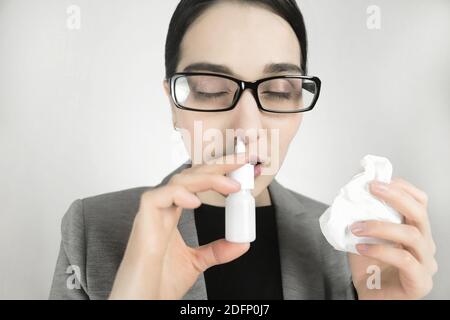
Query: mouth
{"points": [[257, 169], [257, 160]]}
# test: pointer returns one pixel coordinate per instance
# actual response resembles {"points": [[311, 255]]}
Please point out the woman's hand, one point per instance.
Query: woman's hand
{"points": [[157, 263], [406, 268]]}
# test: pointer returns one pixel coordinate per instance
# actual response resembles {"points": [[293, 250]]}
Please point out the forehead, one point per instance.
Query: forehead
{"points": [[243, 37]]}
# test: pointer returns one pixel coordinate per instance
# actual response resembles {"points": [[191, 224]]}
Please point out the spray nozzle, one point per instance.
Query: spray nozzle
{"points": [[240, 145], [245, 174]]}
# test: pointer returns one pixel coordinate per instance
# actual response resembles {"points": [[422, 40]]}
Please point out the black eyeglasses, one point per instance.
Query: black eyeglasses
{"points": [[210, 92]]}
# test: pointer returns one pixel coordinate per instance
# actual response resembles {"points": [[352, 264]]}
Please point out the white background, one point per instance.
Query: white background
{"points": [[82, 112]]}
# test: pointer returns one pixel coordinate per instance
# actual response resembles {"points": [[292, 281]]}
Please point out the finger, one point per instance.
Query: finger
{"points": [[223, 164], [168, 196], [402, 202], [159, 212], [422, 198], [415, 280], [218, 252], [419, 195], [197, 182], [407, 235]]}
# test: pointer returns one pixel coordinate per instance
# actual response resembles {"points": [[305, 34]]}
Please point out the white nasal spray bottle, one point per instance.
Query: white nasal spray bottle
{"points": [[240, 224]]}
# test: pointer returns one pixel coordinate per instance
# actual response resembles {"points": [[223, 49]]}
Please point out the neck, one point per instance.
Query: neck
{"points": [[216, 199]]}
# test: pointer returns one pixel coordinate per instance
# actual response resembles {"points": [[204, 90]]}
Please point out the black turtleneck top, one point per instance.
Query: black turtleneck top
{"points": [[254, 275]]}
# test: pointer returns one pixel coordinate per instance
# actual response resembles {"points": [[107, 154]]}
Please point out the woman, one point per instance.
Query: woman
{"points": [[166, 242]]}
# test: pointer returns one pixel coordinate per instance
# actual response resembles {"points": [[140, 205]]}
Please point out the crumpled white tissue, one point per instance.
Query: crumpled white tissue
{"points": [[355, 202]]}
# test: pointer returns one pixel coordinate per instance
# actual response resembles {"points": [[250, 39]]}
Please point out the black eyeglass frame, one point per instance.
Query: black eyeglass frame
{"points": [[242, 85]]}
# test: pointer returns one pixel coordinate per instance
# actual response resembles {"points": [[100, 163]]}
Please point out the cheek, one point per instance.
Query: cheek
{"points": [[198, 129], [292, 126], [186, 124], [288, 126]]}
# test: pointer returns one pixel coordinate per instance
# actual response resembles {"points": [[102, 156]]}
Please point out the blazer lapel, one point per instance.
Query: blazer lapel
{"points": [[188, 231], [287, 211]]}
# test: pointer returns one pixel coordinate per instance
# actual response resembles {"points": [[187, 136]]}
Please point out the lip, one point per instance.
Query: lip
{"points": [[257, 169], [256, 159]]}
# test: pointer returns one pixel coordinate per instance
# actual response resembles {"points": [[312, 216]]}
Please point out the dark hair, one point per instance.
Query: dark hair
{"points": [[188, 11]]}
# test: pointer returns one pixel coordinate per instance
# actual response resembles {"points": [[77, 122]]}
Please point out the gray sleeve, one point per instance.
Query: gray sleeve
{"points": [[69, 279]]}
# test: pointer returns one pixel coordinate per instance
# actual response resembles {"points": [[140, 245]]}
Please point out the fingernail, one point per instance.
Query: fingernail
{"points": [[357, 227], [379, 186], [362, 248]]}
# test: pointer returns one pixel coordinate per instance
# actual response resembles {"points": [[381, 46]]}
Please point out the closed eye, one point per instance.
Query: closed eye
{"points": [[210, 94], [274, 94]]}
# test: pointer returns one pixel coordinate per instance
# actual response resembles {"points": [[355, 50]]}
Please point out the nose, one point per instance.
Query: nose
{"points": [[247, 120]]}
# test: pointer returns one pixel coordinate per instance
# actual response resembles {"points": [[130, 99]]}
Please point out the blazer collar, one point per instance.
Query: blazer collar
{"points": [[287, 209]]}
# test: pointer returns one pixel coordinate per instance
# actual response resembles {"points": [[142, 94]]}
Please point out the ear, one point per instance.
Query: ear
{"points": [[172, 107], [166, 88]]}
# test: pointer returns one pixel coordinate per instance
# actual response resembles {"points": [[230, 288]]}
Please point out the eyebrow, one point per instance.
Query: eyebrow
{"points": [[219, 68]]}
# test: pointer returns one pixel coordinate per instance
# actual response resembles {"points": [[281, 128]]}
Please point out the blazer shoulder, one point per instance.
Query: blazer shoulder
{"points": [[311, 206], [111, 215], [95, 232], [103, 217], [108, 216], [114, 203]]}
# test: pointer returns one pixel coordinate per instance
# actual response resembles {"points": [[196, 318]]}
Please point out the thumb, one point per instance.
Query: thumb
{"points": [[219, 252]]}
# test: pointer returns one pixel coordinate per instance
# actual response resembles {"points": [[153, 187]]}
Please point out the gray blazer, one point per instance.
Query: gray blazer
{"points": [[95, 232]]}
